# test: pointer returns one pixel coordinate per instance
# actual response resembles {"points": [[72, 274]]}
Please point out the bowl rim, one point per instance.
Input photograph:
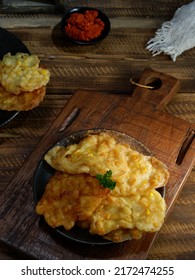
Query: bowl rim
{"points": [[81, 9]]}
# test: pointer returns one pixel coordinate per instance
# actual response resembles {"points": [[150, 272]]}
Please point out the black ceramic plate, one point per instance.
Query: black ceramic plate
{"points": [[44, 171], [9, 43]]}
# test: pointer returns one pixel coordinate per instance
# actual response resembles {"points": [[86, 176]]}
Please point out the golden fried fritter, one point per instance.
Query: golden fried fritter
{"points": [[74, 195], [21, 102], [144, 212], [21, 73], [123, 234], [98, 153], [70, 198], [22, 82]]}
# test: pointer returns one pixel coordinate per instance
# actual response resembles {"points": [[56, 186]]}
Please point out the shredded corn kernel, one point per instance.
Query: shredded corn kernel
{"points": [[151, 194], [147, 212]]}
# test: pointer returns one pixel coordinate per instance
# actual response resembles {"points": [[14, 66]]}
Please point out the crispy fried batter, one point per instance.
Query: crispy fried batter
{"points": [[22, 82], [144, 212], [95, 154], [70, 198], [21, 73], [22, 102], [74, 196], [123, 234]]}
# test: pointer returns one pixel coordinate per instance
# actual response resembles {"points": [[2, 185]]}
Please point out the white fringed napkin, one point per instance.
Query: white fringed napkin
{"points": [[175, 36]]}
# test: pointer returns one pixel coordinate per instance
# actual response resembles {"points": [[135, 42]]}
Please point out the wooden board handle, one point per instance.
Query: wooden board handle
{"points": [[164, 87]]}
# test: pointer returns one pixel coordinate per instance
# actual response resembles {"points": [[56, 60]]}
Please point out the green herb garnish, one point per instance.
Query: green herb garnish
{"points": [[105, 180]]}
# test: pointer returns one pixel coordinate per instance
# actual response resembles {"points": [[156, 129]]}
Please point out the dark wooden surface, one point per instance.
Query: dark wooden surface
{"points": [[106, 67]]}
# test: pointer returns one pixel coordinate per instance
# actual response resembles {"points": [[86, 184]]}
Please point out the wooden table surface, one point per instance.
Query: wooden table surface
{"points": [[105, 67]]}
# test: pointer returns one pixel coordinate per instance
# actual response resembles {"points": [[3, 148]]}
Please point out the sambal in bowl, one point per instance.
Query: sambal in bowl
{"points": [[85, 25]]}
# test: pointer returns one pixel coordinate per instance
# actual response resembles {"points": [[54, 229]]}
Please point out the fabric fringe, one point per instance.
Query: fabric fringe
{"points": [[177, 35]]}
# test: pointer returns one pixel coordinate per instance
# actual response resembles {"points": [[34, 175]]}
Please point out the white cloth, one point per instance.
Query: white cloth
{"points": [[175, 36]]}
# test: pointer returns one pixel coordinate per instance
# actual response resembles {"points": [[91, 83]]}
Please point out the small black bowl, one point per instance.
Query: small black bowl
{"points": [[81, 10]]}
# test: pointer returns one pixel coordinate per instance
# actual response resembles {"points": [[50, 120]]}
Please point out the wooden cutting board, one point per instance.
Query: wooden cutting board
{"points": [[139, 115]]}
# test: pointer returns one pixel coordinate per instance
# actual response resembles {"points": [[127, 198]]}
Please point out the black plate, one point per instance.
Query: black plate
{"points": [[9, 43], [44, 171]]}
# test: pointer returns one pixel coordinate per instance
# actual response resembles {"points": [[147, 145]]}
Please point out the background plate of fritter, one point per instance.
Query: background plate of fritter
{"points": [[44, 171], [9, 43]]}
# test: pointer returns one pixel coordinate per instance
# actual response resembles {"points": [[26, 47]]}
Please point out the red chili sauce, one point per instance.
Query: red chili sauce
{"points": [[84, 27]]}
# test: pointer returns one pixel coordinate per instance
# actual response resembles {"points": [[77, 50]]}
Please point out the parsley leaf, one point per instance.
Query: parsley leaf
{"points": [[105, 180]]}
